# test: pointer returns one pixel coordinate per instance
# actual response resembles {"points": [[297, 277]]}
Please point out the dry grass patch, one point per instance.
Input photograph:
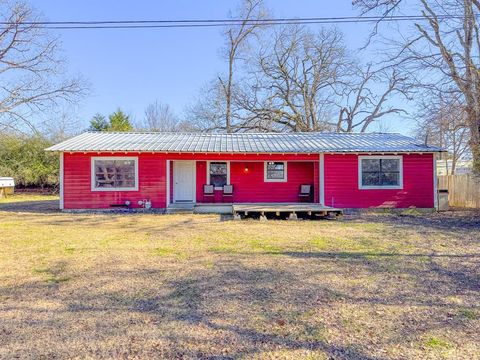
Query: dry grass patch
{"points": [[194, 286]]}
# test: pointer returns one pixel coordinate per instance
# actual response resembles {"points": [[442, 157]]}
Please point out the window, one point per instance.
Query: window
{"points": [[380, 172], [275, 171], [218, 174], [114, 173]]}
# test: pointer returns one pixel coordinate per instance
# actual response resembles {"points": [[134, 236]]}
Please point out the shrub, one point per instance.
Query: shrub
{"points": [[24, 158]]}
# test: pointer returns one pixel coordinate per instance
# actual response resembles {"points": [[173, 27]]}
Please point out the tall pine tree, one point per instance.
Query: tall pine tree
{"points": [[98, 123], [119, 121]]}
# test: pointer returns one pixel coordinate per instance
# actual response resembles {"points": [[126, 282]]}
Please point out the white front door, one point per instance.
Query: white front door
{"points": [[183, 181]]}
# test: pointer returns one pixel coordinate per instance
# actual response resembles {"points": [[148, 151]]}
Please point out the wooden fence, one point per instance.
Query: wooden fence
{"points": [[463, 190]]}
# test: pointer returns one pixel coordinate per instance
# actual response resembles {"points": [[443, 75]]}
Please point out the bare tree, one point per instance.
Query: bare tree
{"points": [[30, 68], [362, 105], [297, 79], [443, 122], [250, 14], [302, 78], [446, 45], [159, 117], [207, 113], [62, 124]]}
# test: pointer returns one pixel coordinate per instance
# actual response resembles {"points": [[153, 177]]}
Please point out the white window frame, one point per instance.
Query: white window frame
{"points": [[380, 187], [92, 175], [285, 176], [208, 172]]}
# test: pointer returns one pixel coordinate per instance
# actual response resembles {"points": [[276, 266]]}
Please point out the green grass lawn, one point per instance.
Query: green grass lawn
{"points": [[194, 286]]}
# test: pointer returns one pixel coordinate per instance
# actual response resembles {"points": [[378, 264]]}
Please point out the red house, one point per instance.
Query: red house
{"points": [[101, 170]]}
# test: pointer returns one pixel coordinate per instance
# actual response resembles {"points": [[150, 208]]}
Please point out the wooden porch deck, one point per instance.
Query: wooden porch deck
{"points": [[262, 210], [279, 209], [283, 207]]}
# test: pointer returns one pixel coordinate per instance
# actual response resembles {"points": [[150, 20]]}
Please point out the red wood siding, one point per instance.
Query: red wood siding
{"points": [[201, 179], [152, 179], [249, 186], [77, 183], [340, 171], [341, 184]]}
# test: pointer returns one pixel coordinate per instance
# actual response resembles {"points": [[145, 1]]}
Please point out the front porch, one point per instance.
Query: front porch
{"points": [[281, 181]]}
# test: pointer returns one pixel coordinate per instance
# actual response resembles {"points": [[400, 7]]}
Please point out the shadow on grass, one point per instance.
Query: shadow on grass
{"points": [[198, 302], [460, 277], [248, 308], [54, 273], [44, 206]]}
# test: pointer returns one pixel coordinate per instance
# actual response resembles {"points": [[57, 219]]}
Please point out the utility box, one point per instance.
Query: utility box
{"points": [[443, 200], [7, 185]]}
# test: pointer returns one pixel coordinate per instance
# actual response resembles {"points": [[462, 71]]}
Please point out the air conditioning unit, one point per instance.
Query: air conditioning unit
{"points": [[442, 200]]}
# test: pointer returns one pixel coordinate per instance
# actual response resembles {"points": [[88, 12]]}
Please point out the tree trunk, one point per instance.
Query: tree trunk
{"points": [[475, 148], [474, 138], [454, 164], [228, 95]]}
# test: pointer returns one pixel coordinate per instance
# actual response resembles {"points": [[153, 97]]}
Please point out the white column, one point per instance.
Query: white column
{"points": [[168, 183], [60, 181], [195, 181], [321, 180], [435, 182]]}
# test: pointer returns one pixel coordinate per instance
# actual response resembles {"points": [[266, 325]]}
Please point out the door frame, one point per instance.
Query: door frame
{"points": [[194, 182]]}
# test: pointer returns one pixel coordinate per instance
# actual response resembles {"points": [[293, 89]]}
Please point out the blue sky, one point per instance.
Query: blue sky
{"points": [[132, 68]]}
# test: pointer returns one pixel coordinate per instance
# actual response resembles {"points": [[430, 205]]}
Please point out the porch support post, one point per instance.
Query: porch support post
{"points": [[435, 182], [321, 178], [195, 180], [168, 183], [60, 182]]}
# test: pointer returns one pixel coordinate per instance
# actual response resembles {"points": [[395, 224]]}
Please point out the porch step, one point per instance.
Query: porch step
{"points": [[213, 209], [180, 208]]}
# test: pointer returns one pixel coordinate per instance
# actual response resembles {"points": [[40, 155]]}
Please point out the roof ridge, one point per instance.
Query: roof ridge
{"points": [[237, 134]]}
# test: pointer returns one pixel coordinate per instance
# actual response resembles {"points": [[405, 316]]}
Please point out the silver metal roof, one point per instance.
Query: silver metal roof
{"points": [[242, 142]]}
